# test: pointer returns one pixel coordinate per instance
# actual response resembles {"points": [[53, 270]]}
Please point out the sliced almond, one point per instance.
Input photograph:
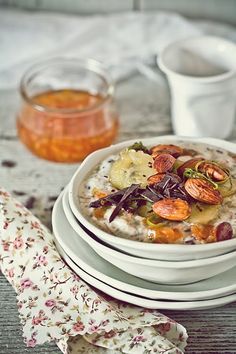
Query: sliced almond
{"points": [[172, 209], [163, 163], [188, 164], [202, 190], [158, 177], [173, 150], [213, 171]]}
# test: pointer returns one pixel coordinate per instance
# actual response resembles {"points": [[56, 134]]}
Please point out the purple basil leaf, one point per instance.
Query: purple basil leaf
{"points": [[119, 206]]}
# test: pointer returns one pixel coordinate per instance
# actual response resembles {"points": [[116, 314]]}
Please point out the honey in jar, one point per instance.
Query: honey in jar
{"points": [[66, 125]]}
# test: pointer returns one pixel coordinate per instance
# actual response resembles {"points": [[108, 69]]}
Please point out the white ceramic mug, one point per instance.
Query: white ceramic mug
{"points": [[201, 72]]}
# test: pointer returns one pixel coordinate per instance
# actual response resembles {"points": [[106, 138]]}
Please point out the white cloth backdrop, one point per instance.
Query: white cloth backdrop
{"points": [[125, 42]]}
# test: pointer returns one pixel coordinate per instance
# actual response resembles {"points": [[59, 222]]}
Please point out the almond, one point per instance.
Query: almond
{"points": [[213, 171], [173, 150], [172, 209], [163, 163], [188, 164], [202, 190], [190, 152], [158, 177]]}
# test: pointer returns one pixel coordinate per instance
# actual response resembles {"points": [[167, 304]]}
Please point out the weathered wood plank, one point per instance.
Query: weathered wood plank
{"points": [[144, 110]]}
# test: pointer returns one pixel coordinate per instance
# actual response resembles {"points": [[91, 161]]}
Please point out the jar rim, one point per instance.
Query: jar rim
{"points": [[91, 65]]}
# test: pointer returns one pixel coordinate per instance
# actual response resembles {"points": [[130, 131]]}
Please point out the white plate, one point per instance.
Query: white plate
{"points": [[140, 301], [141, 249], [88, 260], [165, 272]]}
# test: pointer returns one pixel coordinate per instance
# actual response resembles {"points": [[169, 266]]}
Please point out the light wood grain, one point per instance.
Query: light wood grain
{"points": [[144, 111]]}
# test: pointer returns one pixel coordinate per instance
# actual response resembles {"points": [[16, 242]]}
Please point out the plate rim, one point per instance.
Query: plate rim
{"points": [[144, 302], [194, 295]]}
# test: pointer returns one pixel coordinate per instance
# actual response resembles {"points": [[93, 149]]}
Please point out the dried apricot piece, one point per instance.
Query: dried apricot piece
{"points": [[167, 234], [99, 213], [206, 233]]}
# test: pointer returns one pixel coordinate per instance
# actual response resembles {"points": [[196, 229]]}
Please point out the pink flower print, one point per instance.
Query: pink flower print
{"points": [[31, 343], [105, 322], [6, 224], [163, 327], [109, 334], [78, 326], [10, 272], [5, 245], [37, 320], [42, 260], [75, 277], [75, 290], [50, 303], [93, 328], [4, 194], [26, 283], [18, 242], [45, 249], [138, 339], [97, 301], [19, 304], [35, 225]]}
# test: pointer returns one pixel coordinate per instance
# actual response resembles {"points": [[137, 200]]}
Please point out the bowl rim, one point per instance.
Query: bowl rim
{"points": [[79, 230], [172, 248]]}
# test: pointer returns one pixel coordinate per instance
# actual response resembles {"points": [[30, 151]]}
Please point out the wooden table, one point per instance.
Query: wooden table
{"points": [[145, 111]]}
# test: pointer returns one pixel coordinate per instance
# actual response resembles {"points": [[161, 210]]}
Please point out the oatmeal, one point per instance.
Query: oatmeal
{"points": [[182, 193]]}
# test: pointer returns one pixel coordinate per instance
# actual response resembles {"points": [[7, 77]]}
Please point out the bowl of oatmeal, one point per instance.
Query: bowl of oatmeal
{"points": [[166, 198]]}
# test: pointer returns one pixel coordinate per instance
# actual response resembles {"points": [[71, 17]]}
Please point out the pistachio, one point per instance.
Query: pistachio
{"points": [[202, 190], [172, 209]]}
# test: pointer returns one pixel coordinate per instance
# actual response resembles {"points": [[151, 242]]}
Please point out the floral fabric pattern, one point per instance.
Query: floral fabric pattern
{"points": [[56, 305]]}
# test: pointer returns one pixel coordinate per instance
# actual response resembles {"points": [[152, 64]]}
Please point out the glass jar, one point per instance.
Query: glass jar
{"points": [[67, 110]]}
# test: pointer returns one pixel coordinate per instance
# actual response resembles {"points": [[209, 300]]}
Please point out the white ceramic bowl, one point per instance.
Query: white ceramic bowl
{"points": [[164, 272], [141, 249]]}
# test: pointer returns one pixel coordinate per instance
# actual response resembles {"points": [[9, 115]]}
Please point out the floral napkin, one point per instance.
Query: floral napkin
{"points": [[56, 305]]}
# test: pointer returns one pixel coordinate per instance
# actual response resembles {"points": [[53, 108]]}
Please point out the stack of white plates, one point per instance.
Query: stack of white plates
{"points": [[125, 275]]}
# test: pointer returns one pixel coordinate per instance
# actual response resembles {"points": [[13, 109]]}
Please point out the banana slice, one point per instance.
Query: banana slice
{"points": [[203, 213], [132, 167], [228, 188]]}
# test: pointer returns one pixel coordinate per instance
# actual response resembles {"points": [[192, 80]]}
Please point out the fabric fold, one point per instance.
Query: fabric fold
{"points": [[56, 305]]}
